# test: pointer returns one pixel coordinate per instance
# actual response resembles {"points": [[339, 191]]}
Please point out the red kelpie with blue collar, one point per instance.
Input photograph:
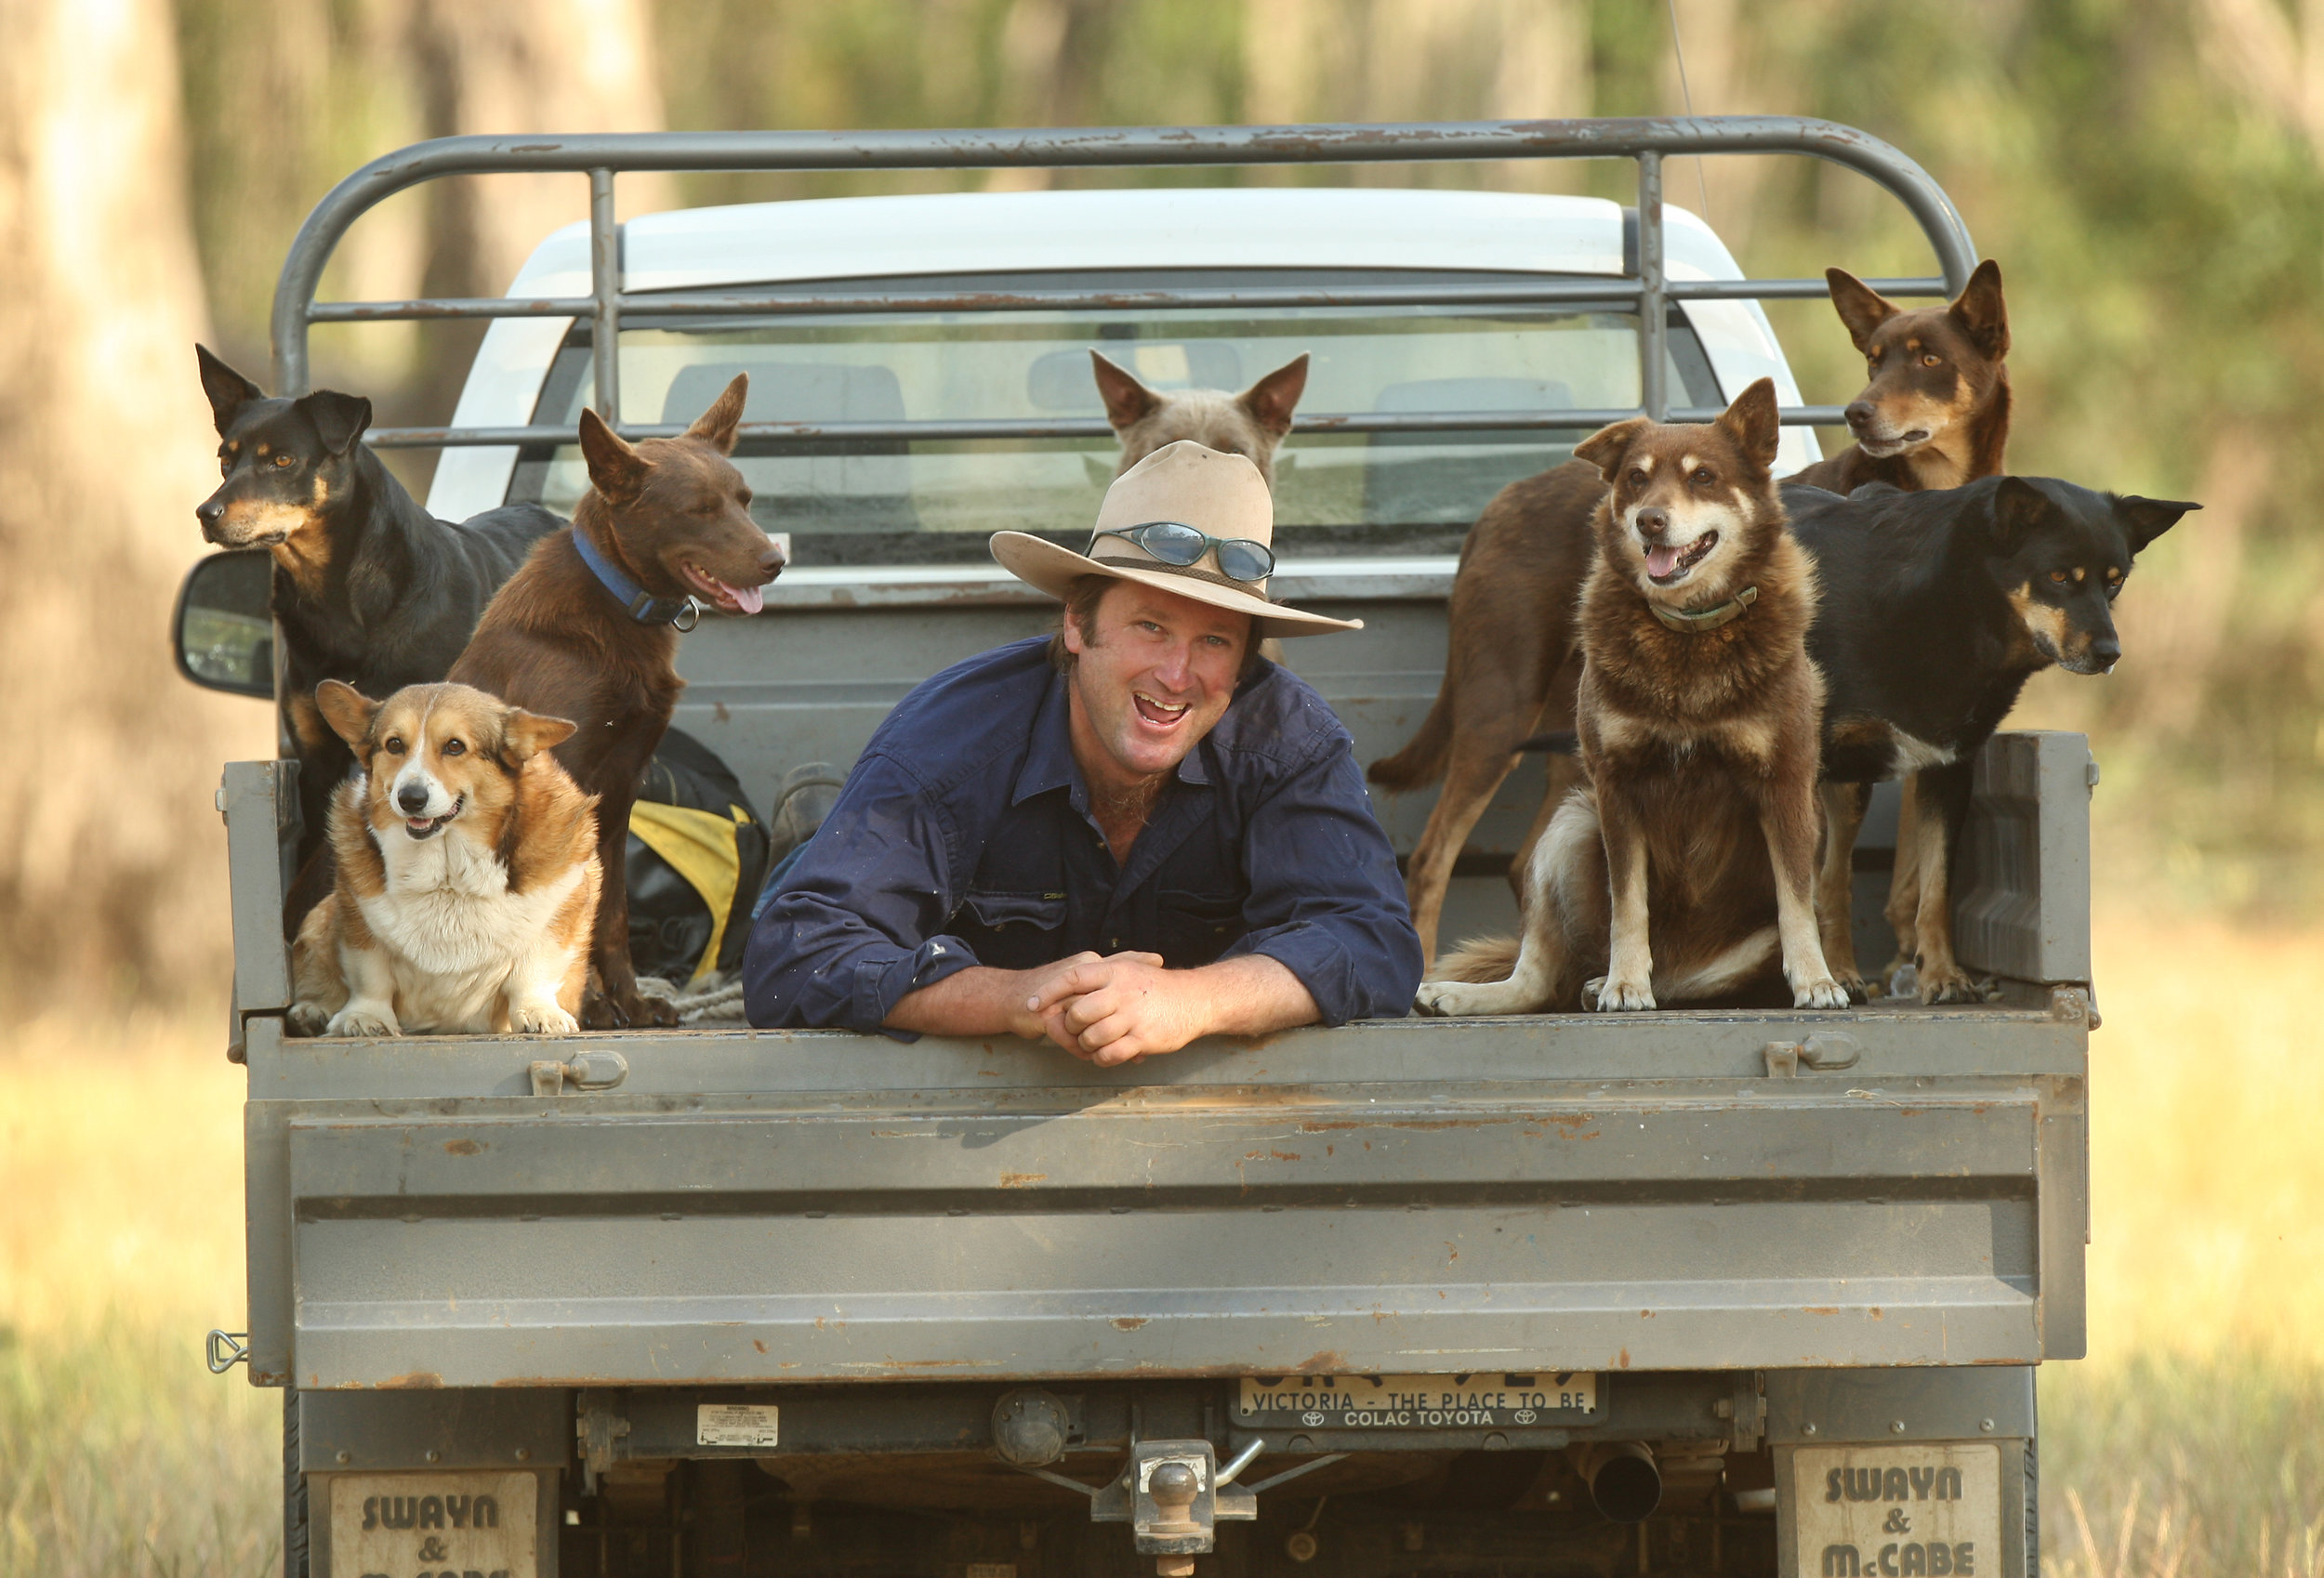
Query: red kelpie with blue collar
{"points": [[588, 630]]}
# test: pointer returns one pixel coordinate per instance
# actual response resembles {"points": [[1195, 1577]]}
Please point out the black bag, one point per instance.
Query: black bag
{"points": [[697, 853]]}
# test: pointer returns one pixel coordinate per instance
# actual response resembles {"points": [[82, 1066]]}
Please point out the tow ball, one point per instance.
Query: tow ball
{"points": [[1171, 1493]]}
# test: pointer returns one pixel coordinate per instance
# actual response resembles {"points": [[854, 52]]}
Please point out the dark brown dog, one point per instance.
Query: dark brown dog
{"points": [[1934, 413], [1252, 423], [1687, 870], [1510, 672], [671, 518]]}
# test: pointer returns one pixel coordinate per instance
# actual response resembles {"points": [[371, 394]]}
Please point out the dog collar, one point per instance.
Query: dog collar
{"points": [[643, 605], [1709, 618]]}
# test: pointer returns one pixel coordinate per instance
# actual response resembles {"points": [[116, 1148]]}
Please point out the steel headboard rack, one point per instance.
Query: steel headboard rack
{"points": [[1645, 142]]}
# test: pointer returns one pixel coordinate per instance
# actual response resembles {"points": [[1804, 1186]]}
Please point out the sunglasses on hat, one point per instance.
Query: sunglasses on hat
{"points": [[1176, 544]]}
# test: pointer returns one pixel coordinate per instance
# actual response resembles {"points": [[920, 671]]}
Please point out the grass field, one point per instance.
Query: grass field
{"points": [[2190, 1444]]}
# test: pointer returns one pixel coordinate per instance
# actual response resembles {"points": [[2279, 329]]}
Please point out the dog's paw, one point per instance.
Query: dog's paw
{"points": [[1451, 999], [306, 1018], [1437, 999], [1949, 983], [1824, 993], [602, 1011], [1611, 996], [543, 1019], [360, 1020], [1858, 989]]}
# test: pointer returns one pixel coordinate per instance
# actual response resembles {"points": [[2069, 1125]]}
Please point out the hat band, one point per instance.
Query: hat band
{"points": [[1212, 576]]}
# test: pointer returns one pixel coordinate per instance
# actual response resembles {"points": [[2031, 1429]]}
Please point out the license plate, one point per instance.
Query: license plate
{"points": [[434, 1526], [1415, 1403], [1934, 1510]]}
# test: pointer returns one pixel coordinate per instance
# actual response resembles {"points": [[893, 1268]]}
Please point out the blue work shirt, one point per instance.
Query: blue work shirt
{"points": [[964, 837]]}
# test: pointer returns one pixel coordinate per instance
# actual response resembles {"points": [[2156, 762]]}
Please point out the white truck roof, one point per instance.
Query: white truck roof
{"points": [[1137, 228]]}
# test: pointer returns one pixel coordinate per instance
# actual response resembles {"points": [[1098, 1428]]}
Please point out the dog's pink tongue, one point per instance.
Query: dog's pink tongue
{"points": [[1661, 559], [752, 598]]}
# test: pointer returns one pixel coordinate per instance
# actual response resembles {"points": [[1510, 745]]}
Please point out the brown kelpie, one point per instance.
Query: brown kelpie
{"points": [[1251, 423], [1935, 412], [587, 631], [1687, 870], [1510, 669]]}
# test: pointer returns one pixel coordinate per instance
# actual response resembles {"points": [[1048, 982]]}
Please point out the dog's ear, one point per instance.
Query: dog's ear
{"points": [[1981, 312], [716, 426], [2150, 518], [1860, 307], [1127, 399], [1752, 422], [1606, 448], [340, 419], [2018, 507], [615, 470], [349, 712], [1274, 397], [529, 734], [229, 390]]}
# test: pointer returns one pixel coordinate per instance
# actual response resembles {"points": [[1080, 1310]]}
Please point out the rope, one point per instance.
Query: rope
{"points": [[719, 999]]}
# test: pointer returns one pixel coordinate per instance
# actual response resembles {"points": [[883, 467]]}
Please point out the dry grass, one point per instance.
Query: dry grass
{"points": [[2190, 1444], [120, 1454]]}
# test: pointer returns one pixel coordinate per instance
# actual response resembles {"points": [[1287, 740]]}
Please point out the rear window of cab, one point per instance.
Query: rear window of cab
{"points": [[915, 502]]}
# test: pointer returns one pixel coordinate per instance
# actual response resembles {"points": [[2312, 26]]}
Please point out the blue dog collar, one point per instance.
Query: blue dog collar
{"points": [[643, 605]]}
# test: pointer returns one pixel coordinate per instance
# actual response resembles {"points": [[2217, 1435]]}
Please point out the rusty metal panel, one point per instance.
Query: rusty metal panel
{"points": [[1561, 1193], [259, 803], [2023, 905]]}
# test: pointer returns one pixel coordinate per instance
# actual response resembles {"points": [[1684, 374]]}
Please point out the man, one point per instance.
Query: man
{"points": [[1124, 836]]}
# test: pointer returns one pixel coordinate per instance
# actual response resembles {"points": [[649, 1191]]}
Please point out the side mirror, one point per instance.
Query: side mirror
{"points": [[224, 628]]}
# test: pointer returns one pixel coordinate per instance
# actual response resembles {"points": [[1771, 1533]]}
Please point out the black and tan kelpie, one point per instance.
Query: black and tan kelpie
{"points": [[588, 630], [369, 588], [1937, 608]]}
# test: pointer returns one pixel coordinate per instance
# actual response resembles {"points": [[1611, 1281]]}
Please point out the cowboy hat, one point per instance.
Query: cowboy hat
{"points": [[1220, 495]]}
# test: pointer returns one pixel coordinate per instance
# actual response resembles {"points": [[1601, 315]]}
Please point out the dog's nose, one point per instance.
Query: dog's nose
{"points": [[2104, 652], [1652, 520], [771, 562], [1858, 413], [412, 799], [210, 512]]}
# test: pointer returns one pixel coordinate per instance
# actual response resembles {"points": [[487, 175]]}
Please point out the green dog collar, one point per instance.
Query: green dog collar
{"points": [[1709, 618]]}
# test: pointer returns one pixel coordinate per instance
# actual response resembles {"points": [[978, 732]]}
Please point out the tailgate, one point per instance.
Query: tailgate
{"points": [[1653, 1191]]}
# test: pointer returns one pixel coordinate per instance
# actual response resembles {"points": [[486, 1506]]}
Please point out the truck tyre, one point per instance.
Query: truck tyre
{"points": [[294, 1493]]}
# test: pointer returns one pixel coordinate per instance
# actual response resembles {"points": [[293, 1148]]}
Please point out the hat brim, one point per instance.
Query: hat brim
{"points": [[1042, 564]]}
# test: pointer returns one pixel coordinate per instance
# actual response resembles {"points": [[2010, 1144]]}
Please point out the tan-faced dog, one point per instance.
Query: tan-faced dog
{"points": [[587, 630], [1687, 870], [1510, 670], [1251, 423], [467, 873], [1935, 410]]}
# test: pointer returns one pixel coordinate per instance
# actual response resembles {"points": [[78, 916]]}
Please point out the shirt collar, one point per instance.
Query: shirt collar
{"points": [[1049, 763]]}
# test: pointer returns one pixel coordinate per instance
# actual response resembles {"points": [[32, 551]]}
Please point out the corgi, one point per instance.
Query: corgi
{"points": [[467, 873]]}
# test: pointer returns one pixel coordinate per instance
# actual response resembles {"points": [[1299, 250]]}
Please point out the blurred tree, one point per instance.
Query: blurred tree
{"points": [[111, 865]]}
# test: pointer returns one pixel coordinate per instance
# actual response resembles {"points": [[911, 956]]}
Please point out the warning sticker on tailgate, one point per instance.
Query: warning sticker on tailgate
{"points": [[1415, 1403]]}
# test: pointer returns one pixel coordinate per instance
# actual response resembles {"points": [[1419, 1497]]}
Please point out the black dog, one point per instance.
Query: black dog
{"points": [[1937, 608], [368, 586]]}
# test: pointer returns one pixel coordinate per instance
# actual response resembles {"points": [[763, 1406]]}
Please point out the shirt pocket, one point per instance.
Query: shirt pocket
{"points": [[1197, 928], [1019, 912]]}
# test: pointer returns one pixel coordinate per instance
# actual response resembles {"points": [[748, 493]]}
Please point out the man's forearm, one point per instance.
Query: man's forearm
{"points": [[977, 1000], [1252, 995]]}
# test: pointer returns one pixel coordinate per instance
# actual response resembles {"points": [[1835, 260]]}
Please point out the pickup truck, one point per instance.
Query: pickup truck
{"points": [[1675, 1293]]}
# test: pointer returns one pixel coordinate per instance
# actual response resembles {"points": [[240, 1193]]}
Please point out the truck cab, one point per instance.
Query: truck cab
{"points": [[1732, 1292]]}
